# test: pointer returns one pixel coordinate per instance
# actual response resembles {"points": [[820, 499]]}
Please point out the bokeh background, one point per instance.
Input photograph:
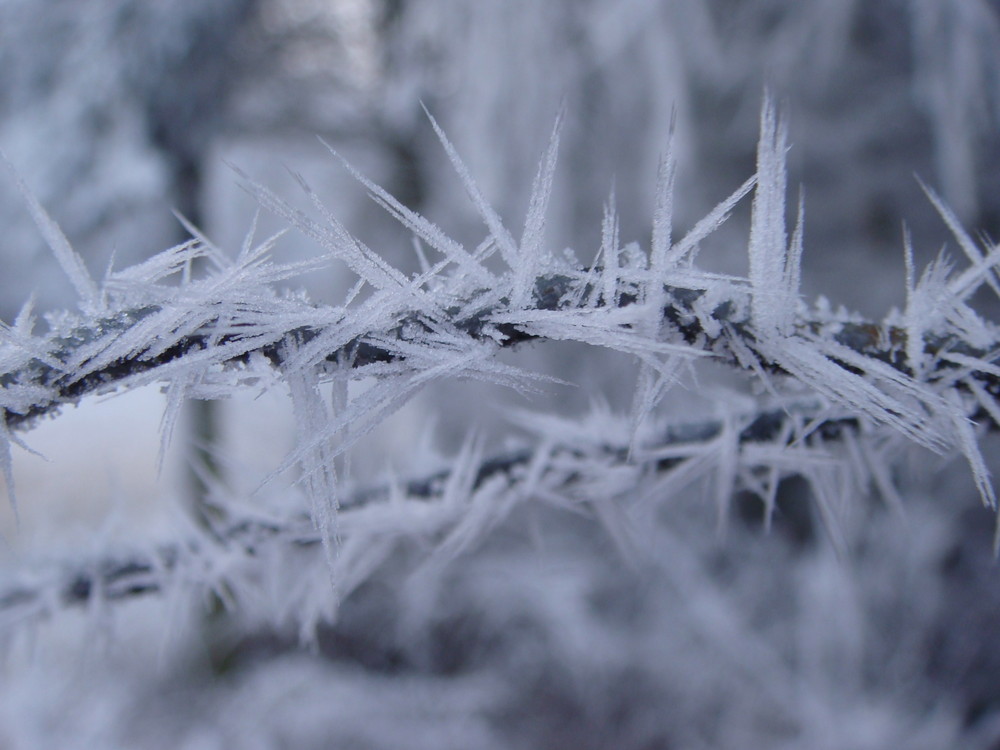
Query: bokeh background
{"points": [[117, 111]]}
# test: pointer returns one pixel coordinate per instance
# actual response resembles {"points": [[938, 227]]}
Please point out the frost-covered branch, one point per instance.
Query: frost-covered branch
{"points": [[570, 466], [220, 342]]}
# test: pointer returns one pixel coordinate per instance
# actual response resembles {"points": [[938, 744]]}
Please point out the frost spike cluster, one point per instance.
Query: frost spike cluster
{"points": [[584, 464], [925, 373]]}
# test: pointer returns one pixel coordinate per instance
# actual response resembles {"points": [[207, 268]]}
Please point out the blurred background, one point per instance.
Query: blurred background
{"points": [[117, 111]]}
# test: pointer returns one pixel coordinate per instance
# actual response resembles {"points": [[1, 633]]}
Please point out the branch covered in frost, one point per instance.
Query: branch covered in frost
{"points": [[458, 503], [58, 377]]}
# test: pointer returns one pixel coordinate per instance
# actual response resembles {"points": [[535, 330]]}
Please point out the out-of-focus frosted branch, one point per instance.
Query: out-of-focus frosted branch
{"points": [[557, 469]]}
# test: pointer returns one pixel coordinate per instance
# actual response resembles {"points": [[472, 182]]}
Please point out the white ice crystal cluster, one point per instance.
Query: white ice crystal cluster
{"points": [[838, 400], [839, 395]]}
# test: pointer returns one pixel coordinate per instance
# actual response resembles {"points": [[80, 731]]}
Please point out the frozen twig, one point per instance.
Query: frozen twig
{"points": [[563, 470], [722, 331]]}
